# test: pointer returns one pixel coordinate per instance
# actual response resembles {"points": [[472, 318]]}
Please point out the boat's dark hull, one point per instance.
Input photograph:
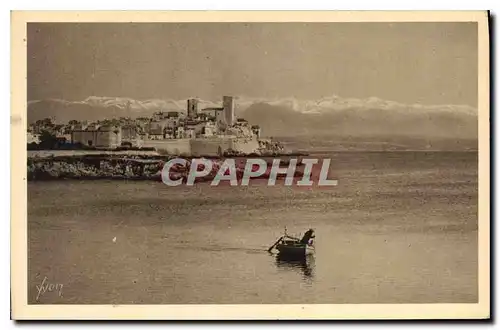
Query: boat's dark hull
{"points": [[294, 250]]}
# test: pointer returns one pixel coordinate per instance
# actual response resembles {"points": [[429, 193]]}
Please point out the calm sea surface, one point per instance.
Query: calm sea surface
{"points": [[399, 227]]}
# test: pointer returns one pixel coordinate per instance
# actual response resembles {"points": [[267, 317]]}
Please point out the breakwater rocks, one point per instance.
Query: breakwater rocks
{"points": [[119, 167]]}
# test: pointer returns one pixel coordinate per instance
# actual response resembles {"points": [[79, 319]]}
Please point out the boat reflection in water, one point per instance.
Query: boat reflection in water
{"points": [[301, 264], [296, 253]]}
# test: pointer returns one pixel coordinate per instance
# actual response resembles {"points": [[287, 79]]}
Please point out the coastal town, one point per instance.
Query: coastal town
{"points": [[207, 123], [125, 148]]}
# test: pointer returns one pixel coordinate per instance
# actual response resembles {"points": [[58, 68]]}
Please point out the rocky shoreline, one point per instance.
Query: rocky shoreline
{"points": [[93, 168], [110, 167]]}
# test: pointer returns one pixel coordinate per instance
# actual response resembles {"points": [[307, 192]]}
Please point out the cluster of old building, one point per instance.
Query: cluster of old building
{"points": [[196, 123]]}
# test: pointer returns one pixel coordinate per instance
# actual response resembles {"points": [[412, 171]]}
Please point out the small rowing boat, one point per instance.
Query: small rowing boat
{"points": [[294, 247]]}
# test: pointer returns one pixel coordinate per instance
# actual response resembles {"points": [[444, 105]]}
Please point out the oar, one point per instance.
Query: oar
{"points": [[276, 243]]}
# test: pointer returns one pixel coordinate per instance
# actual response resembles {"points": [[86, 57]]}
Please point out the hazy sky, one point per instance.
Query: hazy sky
{"points": [[431, 63]]}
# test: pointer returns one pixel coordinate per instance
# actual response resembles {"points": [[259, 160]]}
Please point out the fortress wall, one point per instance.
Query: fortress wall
{"points": [[174, 147], [209, 147], [204, 147]]}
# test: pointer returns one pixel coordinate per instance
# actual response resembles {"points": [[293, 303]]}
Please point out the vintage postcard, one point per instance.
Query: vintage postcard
{"points": [[250, 165]]}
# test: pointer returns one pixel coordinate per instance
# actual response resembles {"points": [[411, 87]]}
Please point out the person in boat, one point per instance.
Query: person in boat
{"points": [[307, 237]]}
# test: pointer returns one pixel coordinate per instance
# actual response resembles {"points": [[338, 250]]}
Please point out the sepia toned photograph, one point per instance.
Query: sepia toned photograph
{"points": [[197, 162]]}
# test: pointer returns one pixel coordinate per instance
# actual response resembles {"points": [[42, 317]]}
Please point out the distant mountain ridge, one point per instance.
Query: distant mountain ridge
{"points": [[333, 102], [289, 116]]}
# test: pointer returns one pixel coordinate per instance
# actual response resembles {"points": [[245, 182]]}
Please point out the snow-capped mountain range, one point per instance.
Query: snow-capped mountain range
{"points": [[326, 104], [282, 116]]}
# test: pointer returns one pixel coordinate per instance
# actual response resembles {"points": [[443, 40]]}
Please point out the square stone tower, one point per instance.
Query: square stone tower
{"points": [[228, 105], [192, 108]]}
